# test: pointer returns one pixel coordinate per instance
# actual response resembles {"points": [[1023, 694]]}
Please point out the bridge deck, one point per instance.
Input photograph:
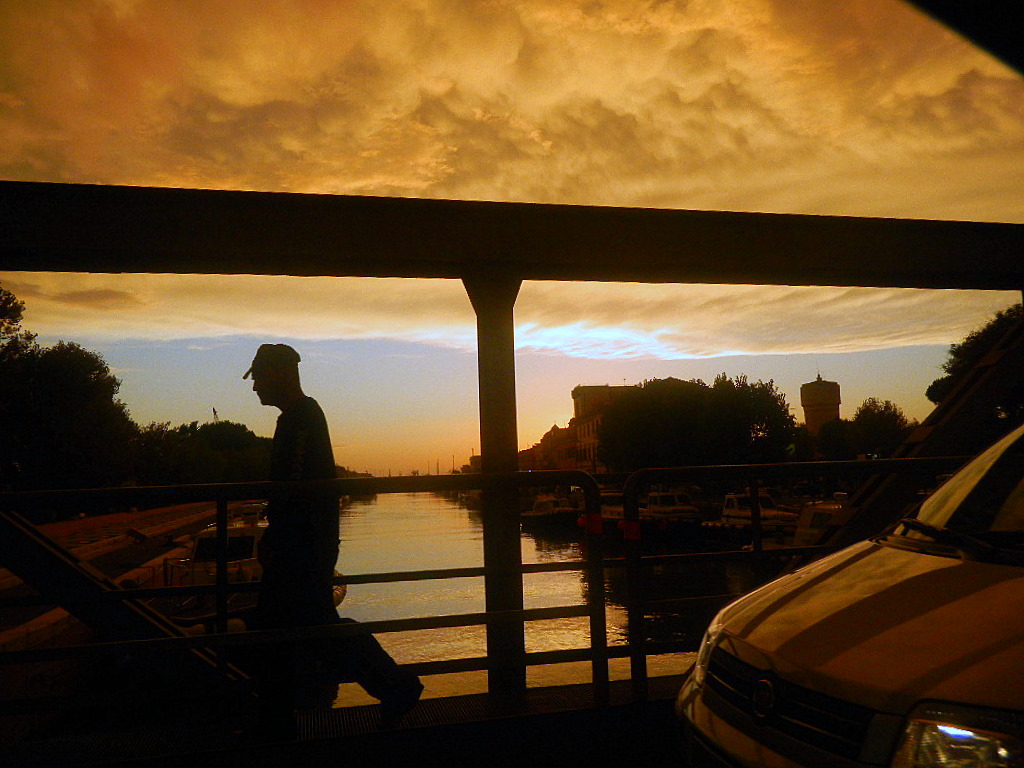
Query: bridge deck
{"points": [[556, 726]]}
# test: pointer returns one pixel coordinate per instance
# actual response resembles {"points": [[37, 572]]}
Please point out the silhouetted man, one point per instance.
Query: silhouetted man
{"points": [[298, 552]]}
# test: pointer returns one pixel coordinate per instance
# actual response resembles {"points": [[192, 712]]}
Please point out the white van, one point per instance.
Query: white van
{"points": [[905, 650]]}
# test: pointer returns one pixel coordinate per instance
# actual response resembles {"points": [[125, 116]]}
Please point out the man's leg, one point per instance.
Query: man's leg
{"points": [[362, 659]]}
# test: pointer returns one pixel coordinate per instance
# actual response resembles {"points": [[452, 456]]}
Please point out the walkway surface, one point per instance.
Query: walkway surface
{"points": [[555, 727]]}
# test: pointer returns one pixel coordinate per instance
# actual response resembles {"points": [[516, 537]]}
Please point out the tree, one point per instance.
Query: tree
{"points": [[651, 425], [65, 426], [14, 340], [962, 357], [880, 427], [669, 422], [748, 422], [215, 452], [837, 441], [15, 344]]}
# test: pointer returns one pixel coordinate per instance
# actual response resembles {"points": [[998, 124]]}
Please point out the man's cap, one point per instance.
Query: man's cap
{"points": [[273, 356]]}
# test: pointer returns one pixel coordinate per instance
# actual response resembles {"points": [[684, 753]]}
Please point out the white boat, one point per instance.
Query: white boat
{"points": [[199, 568], [736, 509], [819, 518], [612, 507], [667, 508], [550, 508]]}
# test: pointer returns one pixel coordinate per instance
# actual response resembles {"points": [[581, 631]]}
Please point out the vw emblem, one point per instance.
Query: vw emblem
{"points": [[763, 697]]}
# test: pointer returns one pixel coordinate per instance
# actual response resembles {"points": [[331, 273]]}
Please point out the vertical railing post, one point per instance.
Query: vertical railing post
{"points": [[221, 624], [493, 296], [756, 532], [594, 541], [636, 629]]}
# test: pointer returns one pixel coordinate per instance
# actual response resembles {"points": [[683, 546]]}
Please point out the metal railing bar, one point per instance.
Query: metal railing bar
{"points": [[301, 633], [424, 575], [454, 573], [534, 658], [448, 666], [360, 486], [142, 593], [797, 469], [205, 492]]}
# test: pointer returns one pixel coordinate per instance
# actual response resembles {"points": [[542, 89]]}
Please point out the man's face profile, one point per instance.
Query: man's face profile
{"points": [[275, 375], [266, 383]]}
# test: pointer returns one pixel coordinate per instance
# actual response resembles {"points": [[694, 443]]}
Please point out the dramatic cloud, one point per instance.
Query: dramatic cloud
{"points": [[665, 322], [863, 107]]}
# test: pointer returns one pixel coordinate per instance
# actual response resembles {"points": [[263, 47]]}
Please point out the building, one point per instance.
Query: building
{"points": [[589, 404], [575, 445], [556, 450], [820, 401]]}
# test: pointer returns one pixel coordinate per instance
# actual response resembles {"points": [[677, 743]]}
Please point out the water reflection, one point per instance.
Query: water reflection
{"points": [[401, 532]]}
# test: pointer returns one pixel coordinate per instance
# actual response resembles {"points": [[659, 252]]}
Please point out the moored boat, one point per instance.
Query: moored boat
{"points": [[819, 518], [199, 568], [666, 509], [552, 509], [737, 508]]}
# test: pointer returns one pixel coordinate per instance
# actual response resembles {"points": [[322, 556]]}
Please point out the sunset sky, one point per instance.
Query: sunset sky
{"points": [[863, 108]]}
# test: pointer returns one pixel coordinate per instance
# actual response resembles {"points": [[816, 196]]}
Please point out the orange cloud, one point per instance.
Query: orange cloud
{"points": [[668, 322], [861, 107]]}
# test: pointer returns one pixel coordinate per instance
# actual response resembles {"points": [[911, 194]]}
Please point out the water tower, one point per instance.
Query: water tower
{"points": [[820, 401]]}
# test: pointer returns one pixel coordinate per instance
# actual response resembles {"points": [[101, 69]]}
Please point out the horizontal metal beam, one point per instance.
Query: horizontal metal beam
{"points": [[89, 228]]}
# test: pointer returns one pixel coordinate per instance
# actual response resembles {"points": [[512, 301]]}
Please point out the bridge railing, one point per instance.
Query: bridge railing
{"points": [[635, 562]]}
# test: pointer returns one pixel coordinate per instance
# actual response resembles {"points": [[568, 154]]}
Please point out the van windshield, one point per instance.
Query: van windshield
{"points": [[986, 497]]}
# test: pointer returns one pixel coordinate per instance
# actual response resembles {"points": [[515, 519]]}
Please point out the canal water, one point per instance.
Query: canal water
{"points": [[424, 531]]}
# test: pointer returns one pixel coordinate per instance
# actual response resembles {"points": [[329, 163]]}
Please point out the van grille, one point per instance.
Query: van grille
{"points": [[823, 721]]}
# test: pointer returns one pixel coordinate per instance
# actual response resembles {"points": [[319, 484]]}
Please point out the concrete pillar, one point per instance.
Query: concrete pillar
{"points": [[493, 297]]}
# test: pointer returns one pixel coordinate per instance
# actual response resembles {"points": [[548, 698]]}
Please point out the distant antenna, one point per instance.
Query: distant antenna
{"points": [[215, 415]]}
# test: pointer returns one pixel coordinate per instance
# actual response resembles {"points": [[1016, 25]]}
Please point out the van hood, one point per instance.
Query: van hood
{"points": [[888, 627]]}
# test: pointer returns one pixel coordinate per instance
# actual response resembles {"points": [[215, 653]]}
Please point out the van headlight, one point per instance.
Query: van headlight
{"points": [[700, 667], [952, 735]]}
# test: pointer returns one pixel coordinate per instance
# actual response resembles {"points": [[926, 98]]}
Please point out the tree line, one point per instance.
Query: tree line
{"points": [[670, 422], [63, 425]]}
